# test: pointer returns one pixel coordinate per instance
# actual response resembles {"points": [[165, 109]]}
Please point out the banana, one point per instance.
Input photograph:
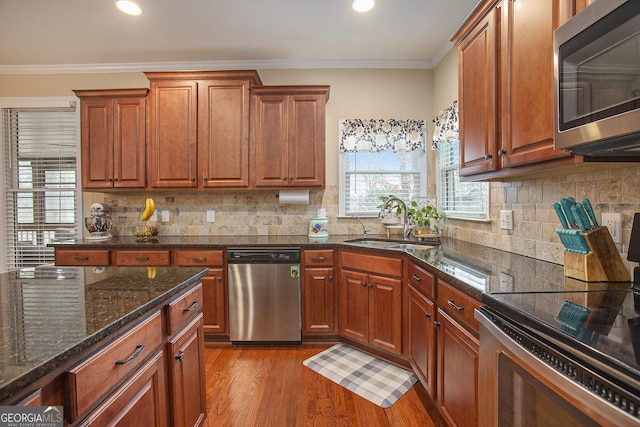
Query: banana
{"points": [[151, 272], [149, 208]]}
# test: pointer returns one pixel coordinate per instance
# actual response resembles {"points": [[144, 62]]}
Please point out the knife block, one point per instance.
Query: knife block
{"points": [[603, 262]]}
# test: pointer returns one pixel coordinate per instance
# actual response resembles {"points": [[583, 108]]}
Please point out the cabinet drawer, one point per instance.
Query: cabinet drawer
{"points": [[318, 258], [198, 258], [422, 280], [183, 309], [89, 258], [148, 258], [372, 263], [89, 381], [459, 305]]}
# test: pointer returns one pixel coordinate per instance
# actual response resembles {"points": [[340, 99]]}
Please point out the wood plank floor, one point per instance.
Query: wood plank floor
{"points": [[269, 386]]}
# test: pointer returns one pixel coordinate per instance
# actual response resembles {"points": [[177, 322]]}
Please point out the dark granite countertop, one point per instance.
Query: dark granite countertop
{"points": [[52, 314], [472, 268]]}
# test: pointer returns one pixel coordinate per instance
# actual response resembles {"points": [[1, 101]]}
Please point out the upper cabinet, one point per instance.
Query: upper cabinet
{"points": [[198, 129], [112, 138], [288, 136], [505, 54]]}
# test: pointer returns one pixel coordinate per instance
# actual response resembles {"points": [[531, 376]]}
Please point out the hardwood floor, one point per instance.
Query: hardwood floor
{"points": [[269, 386]]}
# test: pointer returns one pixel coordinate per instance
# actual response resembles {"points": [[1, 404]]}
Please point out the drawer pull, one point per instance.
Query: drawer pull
{"points": [[427, 315], [199, 259], [330, 278], [416, 278], [142, 259], [180, 356], [363, 284], [193, 306], [135, 354], [219, 278], [453, 305], [436, 323], [319, 258], [81, 258]]}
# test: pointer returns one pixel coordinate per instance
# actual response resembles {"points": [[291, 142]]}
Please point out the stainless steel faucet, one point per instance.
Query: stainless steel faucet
{"points": [[405, 214], [364, 229]]}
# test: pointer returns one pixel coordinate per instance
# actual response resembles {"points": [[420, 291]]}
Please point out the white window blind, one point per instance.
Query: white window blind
{"points": [[458, 199], [40, 181], [368, 176]]}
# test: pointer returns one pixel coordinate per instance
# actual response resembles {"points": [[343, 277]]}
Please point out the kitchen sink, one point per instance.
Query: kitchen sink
{"points": [[390, 244]]}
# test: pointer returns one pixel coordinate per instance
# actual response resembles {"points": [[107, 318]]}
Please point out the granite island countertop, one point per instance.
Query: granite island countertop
{"points": [[52, 314], [471, 267]]}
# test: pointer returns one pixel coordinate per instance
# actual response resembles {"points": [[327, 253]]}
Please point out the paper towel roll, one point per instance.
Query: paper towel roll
{"points": [[294, 197]]}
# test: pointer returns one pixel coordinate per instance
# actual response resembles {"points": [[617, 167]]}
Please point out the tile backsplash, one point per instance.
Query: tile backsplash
{"points": [[259, 212]]}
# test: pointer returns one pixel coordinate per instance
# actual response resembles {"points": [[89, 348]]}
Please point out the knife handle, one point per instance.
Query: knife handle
{"points": [[589, 209], [561, 217], [581, 217], [566, 207]]}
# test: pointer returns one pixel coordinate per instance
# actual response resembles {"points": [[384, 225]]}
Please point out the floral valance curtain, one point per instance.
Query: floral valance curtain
{"points": [[381, 135], [446, 126]]}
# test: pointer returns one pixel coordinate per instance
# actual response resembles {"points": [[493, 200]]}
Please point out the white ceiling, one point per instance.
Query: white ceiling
{"points": [[92, 35]]}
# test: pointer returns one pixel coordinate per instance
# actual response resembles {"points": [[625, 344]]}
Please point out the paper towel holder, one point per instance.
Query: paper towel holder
{"points": [[294, 197]]}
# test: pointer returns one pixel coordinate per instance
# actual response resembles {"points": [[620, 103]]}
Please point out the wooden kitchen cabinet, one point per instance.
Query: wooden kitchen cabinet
{"points": [[135, 258], [90, 257], [112, 135], [214, 287], [422, 330], [187, 379], [288, 136], [199, 129], [506, 89], [458, 349], [318, 293], [371, 300]]}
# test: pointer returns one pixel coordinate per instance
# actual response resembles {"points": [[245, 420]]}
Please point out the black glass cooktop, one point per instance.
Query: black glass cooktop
{"points": [[601, 320]]}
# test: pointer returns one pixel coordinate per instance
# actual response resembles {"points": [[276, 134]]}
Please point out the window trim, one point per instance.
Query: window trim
{"points": [[36, 102]]}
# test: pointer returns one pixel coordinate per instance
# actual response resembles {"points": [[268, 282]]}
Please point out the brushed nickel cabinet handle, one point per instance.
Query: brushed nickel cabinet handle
{"points": [[330, 278], [219, 278], [363, 284], [436, 323], [192, 307], [141, 259], [180, 356], [416, 278], [502, 152], [453, 305], [318, 258], [81, 258], [427, 315], [198, 259], [488, 156], [135, 354]]}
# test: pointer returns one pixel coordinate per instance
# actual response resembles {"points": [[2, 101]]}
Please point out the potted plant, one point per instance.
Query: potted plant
{"points": [[392, 214], [425, 218]]}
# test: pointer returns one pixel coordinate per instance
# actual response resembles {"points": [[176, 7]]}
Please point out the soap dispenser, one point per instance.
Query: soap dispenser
{"points": [[318, 225]]}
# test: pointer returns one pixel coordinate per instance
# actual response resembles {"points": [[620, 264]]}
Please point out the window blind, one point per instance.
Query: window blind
{"points": [[41, 181], [455, 198]]}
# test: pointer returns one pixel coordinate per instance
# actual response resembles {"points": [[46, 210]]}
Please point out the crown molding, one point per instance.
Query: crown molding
{"points": [[209, 65]]}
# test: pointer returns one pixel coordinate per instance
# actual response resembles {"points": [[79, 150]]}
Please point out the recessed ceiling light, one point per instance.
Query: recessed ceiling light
{"points": [[363, 5], [129, 7]]}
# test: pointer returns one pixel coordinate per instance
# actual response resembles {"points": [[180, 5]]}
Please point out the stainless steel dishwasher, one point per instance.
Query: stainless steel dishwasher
{"points": [[264, 295]]}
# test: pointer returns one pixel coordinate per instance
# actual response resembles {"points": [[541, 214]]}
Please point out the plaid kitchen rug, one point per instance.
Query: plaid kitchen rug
{"points": [[375, 380]]}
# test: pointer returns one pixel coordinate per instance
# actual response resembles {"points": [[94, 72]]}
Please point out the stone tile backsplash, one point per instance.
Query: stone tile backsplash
{"points": [[259, 212]]}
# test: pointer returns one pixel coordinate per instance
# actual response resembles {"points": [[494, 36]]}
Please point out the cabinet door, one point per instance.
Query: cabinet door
{"points": [[223, 133], [318, 293], [129, 143], [477, 90], [188, 386], [385, 313], [354, 305], [527, 85], [96, 135], [270, 129], [458, 354], [215, 305], [172, 133], [422, 339], [141, 401], [306, 140]]}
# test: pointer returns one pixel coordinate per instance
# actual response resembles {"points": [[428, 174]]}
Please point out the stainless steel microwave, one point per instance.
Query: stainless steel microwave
{"points": [[597, 80]]}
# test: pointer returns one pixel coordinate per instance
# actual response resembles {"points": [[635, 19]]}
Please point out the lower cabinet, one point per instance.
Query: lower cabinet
{"points": [[187, 380], [371, 304], [458, 361], [422, 339], [140, 401], [318, 293]]}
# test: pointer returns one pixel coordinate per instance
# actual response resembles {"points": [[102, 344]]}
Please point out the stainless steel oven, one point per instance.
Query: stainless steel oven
{"points": [[597, 80], [572, 366]]}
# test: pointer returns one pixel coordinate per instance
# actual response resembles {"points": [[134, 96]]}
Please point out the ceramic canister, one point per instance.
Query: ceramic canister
{"points": [[318, 225]]}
